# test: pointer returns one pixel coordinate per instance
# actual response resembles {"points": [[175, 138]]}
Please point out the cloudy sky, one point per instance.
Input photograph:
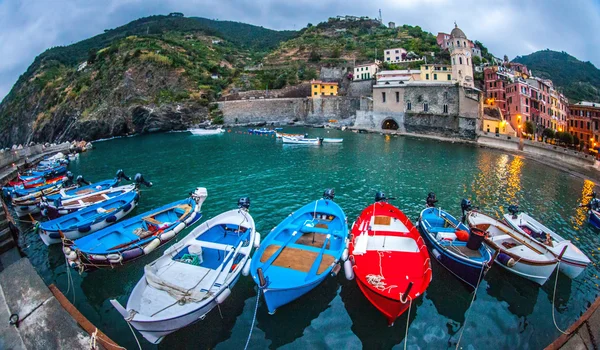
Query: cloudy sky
{"points": [[510, 27]]}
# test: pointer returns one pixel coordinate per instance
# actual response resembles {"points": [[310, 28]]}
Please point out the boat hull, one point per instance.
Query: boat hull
{"points": [[595, 219], [275, 298], [390, 308]]}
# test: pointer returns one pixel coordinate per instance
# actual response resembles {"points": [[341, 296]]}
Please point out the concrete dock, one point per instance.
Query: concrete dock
{"points": [[584, 334]]}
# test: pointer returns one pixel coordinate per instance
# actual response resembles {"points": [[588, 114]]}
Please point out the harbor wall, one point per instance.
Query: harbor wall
{"points": [[287, 110], [538, 150], [9, 157]]}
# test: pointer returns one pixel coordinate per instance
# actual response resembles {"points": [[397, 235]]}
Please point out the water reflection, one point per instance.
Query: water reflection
{"points": [[581, 214], [520, 294], [290, 321], [563, 290], [369, 325], [437, 292]]}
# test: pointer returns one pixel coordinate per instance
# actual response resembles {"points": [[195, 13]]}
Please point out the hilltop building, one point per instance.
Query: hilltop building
{"points": [[395, 77], [394, 55], [320, 88], [436, 72]]}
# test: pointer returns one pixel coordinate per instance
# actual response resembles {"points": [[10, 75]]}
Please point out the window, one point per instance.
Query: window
{"points": [[331, 93], [397, 97], [445, 94], [449, 77], [387, 52], [445, 109], [467, 60], [322, 94], [427, 76], [383, 97], [315, 93], [408, 106], [323, 87], [444, 68], [387, 58], [459, 60], [425, 107], [434, 76], [396, 51], [331, 86], [316, 86]]}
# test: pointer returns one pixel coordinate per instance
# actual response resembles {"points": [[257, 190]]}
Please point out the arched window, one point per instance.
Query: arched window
{"points": [[467, 60], [459, 60]]}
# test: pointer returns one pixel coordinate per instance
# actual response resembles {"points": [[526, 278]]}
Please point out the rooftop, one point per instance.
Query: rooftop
{"points": [[587, 104], [323, 82]]}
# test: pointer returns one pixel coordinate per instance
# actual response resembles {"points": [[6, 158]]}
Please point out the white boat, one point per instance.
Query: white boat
{"points": [[516, 253], [193, 276], [73, 156], [281, 134], [332, 140], [573, 261], [303, 141], [206, 131]]}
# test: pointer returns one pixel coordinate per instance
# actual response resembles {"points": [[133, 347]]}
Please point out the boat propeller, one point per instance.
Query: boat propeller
{"points": [[80, 180], [431, 200], [244, 203], [329, 194], [139, 180], [121, 175]]}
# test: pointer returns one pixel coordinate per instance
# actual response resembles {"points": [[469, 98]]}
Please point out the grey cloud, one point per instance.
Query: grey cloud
{"points": [[510, 27]]}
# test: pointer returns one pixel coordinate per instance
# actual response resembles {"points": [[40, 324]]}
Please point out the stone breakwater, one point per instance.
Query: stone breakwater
{"points": [[287, 110]]}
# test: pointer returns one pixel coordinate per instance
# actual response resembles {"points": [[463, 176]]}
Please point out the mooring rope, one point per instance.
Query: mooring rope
{"points": [[554, 298], [135, 336], [253, 319], [471, 304], [407, 322]]}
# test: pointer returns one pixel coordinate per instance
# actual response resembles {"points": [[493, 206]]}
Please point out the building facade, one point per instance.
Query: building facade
{"points": [[436, 72], [366, 71], [321, 88], [394, 55], [583, 119]]}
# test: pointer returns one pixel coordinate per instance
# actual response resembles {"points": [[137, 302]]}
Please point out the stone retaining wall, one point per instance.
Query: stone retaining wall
{"points": [[286, 110], [14, 156]]}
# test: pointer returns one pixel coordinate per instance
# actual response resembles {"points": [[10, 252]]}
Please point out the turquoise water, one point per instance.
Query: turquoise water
{"points": [[508, 312]]}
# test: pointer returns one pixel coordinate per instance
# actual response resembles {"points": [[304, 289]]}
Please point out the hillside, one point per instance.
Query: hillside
{"points": [[579, 81], [155, 73]]}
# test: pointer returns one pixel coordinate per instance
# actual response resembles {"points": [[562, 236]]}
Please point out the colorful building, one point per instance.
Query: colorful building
{"points": [[366, 71], [394, 55], [583, 120], [322, 88], [461, 57], [436, 72], [395, 77]]}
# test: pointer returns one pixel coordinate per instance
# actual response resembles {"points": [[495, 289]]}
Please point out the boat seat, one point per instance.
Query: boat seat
{"points": [[310, 227], [297, 259], [313, 239], [393, 244], [205, 244]]}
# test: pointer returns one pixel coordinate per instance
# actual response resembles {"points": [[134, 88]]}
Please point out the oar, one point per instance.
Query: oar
{"points": [[315, 266]]}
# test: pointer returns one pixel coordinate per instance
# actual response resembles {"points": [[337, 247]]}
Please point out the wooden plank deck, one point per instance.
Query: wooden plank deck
{"points": [[296, 259], [318, 238]]}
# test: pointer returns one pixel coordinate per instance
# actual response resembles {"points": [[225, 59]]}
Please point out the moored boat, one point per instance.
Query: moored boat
{"points": [[281, 134], [300, 252], [262, 131], [87, 220], [206, 131], [573, 261], [193, 276], [453, 245], [332, 140], [516, 252], [130, 239], [303, 141], [388, 257]]}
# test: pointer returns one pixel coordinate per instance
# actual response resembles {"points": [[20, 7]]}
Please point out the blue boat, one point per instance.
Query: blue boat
{"points": [[261, 131], [300, 252], [593, 207], [43, 171], [467, 259], [84, 187], [89, 219], [135, 237]]}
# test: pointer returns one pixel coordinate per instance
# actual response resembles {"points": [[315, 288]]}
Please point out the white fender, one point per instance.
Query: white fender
{"points": [[116, 261], [63, 212], [72, 255], [436, 254], [246, 269], [179, 227], [98, 257], [348, 271], [345, 254], [167, 236], [221, 297], [66, 250], [151, 246], [257, 240], [189, 219], [113, 257]]}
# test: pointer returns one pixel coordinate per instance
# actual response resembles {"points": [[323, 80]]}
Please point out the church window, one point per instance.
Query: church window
{"points": [[460, 60]]}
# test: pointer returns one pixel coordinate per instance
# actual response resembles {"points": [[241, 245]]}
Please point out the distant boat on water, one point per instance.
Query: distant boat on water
{"points": [[206, 131]]}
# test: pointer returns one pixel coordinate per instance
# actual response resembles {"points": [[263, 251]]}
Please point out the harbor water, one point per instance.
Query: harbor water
{"points": [[508, 312]]}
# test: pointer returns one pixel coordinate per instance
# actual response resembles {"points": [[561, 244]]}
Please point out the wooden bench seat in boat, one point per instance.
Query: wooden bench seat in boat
{"points": [[463, 250], [86, 191], [385, 223], [297, 259], [313, 239]]}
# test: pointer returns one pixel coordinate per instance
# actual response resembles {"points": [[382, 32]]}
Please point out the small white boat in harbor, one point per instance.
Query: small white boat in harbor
{"points": [[303, 141], [206, 131], [281, 134], [332, 140], [573, 261], [193, 276], [514, 252]]}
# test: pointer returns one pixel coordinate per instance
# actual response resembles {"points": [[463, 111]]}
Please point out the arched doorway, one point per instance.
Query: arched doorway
{"points": [[389, 124]]}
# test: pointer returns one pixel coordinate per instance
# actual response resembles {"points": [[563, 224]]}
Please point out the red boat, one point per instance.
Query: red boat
{"points": [[389, 258]]}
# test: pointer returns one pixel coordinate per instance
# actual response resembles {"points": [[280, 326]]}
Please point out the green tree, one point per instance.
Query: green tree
{"points": [[92, 55], [476, 60], [529, 127], [314, 56], [548, 133]]}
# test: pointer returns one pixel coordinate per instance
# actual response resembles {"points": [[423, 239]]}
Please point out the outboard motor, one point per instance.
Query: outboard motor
{"points": [[139, 180], [431, 200], [244, 203], [57, 202], [329, 194], [80, 180], [380, 197], [513, 210], [121, 175], [465, 206], [68, 179]]}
